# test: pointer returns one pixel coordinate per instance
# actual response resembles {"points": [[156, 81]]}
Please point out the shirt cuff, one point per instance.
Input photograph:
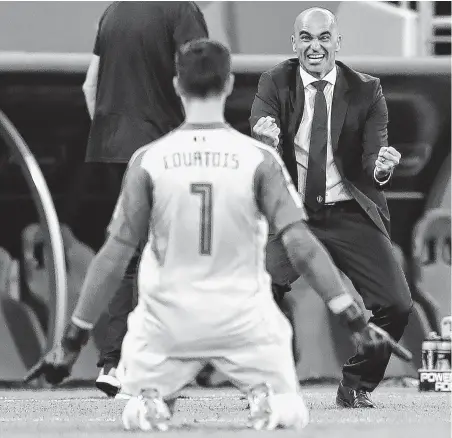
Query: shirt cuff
{"points": [[382, 182]]}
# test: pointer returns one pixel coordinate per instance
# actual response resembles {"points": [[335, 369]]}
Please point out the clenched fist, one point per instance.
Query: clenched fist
{"points": [[388, 159], [267, 131]]}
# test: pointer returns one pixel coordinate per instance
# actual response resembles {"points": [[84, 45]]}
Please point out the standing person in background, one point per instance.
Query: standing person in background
{"points": [[131, 100], [329, 123]]}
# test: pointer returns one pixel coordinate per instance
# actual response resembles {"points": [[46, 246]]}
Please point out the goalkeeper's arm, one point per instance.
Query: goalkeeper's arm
{"points": [[280, 203]]}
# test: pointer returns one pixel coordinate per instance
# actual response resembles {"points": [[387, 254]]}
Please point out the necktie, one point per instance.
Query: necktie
{"points": [[316, 174]]}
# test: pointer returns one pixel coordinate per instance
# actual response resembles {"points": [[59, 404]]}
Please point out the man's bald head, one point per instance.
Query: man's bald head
{"points": [[316, 14], [316, 40]]}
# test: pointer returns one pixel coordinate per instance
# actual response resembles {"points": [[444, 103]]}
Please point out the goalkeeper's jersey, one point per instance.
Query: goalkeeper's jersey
{"points": [[204, 197]]}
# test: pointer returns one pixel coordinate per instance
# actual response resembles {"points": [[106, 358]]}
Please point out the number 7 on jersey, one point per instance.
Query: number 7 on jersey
{"points": [[204, 190]]}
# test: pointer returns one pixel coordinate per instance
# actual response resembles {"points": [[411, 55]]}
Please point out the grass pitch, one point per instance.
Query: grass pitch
{"points": [[201, 413]]}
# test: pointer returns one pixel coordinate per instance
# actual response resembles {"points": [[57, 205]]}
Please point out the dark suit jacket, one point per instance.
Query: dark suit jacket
{"points": [[359, 121]]}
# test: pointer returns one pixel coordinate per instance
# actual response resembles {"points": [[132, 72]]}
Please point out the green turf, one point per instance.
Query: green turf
{"points": [[402, 412]]}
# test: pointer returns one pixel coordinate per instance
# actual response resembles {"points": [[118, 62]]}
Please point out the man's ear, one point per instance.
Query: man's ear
{"points": [[339, 42], [292, 40], [176, 86], [230, 84]]}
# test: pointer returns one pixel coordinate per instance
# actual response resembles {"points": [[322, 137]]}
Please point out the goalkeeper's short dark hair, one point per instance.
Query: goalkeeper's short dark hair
{"points": [[203, 67]]}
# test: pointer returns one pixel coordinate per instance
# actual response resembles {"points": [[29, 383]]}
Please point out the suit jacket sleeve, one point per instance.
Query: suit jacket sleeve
{"points": [[266, 102], [375, 134]]}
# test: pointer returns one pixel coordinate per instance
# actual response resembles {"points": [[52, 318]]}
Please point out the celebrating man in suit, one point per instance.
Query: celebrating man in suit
{"points": [[329, 123]]}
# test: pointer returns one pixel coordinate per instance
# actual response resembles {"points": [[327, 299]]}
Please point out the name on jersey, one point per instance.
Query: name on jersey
{"points": [[201, 159]]}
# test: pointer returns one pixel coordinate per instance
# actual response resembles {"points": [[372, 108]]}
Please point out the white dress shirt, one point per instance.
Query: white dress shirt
{"points": [[335, 188]]}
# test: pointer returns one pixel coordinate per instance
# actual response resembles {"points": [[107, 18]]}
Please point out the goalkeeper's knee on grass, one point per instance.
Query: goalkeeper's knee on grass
{"points": [[269, 411], [146, 412]]}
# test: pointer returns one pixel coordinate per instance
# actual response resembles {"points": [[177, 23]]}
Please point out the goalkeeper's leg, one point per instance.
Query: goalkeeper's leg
{"points": [[152, 379], [260, 363], [154, 391]]}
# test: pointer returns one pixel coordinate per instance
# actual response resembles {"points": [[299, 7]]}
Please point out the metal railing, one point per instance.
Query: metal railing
{"points": [[441, 22], [50, 227], [429, 23]]}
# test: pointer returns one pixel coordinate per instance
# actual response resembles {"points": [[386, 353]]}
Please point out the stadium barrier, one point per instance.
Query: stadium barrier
{"points": [[51, 233]]}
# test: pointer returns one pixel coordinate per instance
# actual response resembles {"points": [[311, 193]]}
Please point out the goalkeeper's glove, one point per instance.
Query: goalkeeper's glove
{"points": [[57, 364], [368, 338]]}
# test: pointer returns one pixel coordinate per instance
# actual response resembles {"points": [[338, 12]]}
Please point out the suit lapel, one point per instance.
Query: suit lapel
{"points": [[296, 96], [339, 107]]}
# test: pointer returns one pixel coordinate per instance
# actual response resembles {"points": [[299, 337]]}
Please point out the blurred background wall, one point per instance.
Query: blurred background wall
{"points": [[369, 28]]}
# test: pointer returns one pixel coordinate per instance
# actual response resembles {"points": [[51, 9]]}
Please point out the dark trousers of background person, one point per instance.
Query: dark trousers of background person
{"points": [[122, 303], [126, 297], [366, 256]]}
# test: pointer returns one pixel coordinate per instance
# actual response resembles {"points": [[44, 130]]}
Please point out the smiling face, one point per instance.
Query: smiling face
{"points": [[316, 41]]}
